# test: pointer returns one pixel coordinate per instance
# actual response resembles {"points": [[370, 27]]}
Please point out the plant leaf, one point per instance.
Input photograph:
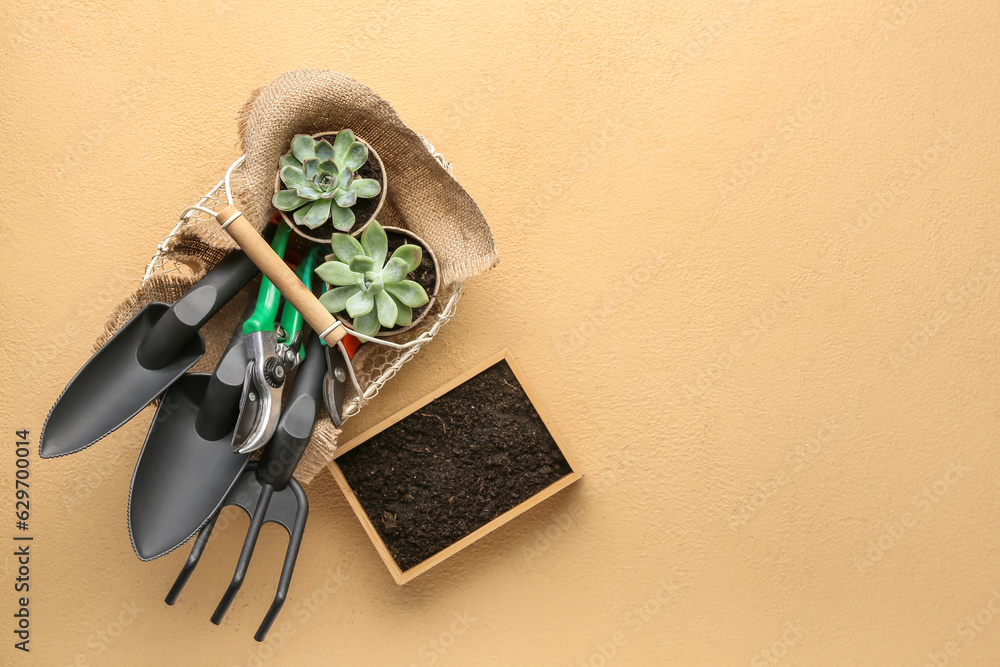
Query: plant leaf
{"points": [[324, 150], [394, 271], [293, 177], [365, 187], [386, 309], [345, 247], [308, 193], [361, 263], [359, 304], [367, 324], [335, 300], [346, 197], [342, 144], [314, 215], [408, 292], [288, 200], [309, 166], [343, 218], [404, 314], [303, 147], [337, 273], [375, 243], [289, 160], [344, 178], [411, 254], [357, 155], [327, 167]]}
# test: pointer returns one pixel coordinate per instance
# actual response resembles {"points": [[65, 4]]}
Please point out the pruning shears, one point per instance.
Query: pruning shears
{"points": [[273, 350]]}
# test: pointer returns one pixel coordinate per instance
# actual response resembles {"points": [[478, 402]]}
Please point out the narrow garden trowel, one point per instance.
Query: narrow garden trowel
{"points": [[145, 357]]}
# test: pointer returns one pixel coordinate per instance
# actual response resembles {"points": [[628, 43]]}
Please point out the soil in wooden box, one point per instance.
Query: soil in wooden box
{"points": [[453, 466]]}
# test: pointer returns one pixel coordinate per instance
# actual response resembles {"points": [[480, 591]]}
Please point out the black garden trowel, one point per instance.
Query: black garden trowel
{"points": [[145, 357], [187, 464]]}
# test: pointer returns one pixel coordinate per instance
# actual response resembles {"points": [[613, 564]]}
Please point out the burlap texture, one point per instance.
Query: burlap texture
{"points": [[421, 196]]}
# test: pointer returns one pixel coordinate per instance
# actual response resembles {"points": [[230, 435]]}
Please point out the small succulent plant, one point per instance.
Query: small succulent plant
{"points": [[373, 291], [321, 181]]}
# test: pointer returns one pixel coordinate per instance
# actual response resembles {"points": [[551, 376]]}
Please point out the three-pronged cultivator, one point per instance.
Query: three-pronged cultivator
{"points": [[267, 492]]}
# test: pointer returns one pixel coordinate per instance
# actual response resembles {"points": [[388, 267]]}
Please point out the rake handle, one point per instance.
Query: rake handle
{"points": [[272, 266]]}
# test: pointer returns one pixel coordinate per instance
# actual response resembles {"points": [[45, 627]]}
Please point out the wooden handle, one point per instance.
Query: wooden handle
{"points": [[272, 266]]}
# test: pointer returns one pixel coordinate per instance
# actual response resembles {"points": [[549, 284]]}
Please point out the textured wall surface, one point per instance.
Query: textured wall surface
{"points": [[749, 263]]}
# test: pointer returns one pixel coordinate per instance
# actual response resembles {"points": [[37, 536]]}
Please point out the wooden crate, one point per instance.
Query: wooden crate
{"points": [[402, 576]]}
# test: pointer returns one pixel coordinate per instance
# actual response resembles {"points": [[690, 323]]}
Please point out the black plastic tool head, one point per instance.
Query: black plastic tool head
{"points": [[113, 387], [267, 491], [181, 478], [155, 348], [288, 508]]}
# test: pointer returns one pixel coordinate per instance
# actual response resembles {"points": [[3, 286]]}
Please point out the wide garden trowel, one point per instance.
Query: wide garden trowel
{"points": [[187, 463]]}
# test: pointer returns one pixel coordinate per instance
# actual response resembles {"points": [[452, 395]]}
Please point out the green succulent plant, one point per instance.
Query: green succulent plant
{"points": [[373, 291], [321, 181]]}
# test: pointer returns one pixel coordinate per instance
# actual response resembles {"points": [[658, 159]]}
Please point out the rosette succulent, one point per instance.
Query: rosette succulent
{"points": [[321, 181], [373, 291]]}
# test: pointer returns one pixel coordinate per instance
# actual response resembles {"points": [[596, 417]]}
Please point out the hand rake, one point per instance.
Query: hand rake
{"points": [[267, 492]]}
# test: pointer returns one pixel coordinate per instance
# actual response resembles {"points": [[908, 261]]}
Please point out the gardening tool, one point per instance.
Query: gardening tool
{"points": [[301, 297], [273, 353], [145, 357], [267, 492], [187, 465], [338, 370], [316, 315]]}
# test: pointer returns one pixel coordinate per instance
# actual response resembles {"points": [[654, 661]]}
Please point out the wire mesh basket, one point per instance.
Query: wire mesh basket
{"points": [[378, 361]]}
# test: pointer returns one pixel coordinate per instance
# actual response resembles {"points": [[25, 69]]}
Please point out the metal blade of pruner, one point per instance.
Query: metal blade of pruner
{"points": [[260, 406], [273, 351], [338, 362]]}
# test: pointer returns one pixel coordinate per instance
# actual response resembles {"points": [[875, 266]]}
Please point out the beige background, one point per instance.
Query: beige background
{"points": [[749, 262]]}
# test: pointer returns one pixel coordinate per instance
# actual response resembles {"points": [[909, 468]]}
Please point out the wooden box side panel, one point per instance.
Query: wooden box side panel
{"points": [[366, 523]]}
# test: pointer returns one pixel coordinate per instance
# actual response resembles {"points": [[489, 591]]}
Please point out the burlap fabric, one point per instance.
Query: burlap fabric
{"points": [[421, 196]]}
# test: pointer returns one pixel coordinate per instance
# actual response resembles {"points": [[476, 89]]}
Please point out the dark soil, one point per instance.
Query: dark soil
{"points": [[454, 465], [363, 209]]}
